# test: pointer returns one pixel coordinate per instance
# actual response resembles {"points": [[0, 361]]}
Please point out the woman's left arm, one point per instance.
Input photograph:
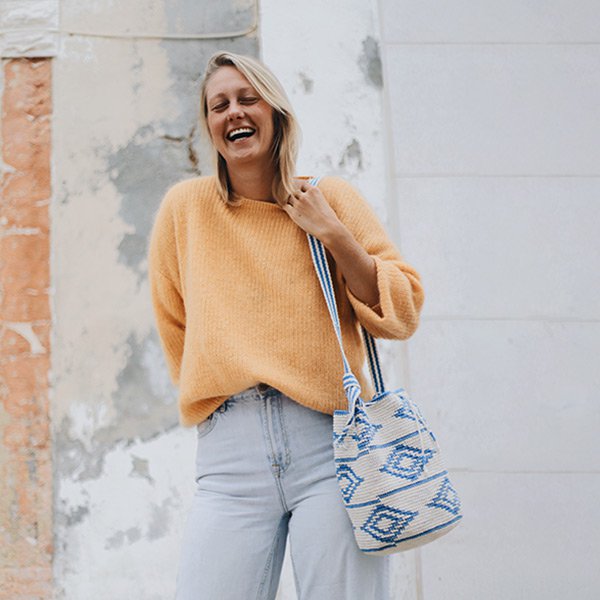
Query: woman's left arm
{"points": [[384, 291], [358, 268]]}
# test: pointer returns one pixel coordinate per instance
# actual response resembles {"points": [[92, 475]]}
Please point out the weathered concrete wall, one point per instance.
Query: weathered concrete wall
{"points": [[494, 118], [25, 453], [125, 130], [462, 148]]}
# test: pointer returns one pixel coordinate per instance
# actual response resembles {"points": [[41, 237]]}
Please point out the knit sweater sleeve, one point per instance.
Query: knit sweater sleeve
{"points": [[401, 295], [165, 285]]}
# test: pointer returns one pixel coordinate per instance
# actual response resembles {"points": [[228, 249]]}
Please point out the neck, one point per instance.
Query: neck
{"points": [[253, 182]]}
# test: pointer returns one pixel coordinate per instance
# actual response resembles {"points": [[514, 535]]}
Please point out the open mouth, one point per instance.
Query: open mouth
{"points": [[240, 133]]}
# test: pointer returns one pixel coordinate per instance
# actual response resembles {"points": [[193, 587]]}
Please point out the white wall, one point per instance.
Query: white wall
{"points": [[494, 114]]}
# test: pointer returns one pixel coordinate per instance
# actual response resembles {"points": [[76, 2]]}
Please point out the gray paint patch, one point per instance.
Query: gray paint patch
{"points": [[141, 171], [67, 517], [352, 156], [117, 540], [160, 520], [145, 405], [139, 468], [76, 515], [210, 16], [144, 390], [307, 83], [72, 457], [370, 62], [160, 154]]}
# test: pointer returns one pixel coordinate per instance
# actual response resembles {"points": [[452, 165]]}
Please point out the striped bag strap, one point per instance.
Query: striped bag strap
{"points": [[351, 385]]}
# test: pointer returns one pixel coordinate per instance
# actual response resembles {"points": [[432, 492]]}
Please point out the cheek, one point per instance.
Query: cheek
{"points": [[270, 127], [213, 128]]}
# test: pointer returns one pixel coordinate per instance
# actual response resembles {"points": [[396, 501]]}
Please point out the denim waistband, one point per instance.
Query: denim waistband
{"points": [[259, 391]]}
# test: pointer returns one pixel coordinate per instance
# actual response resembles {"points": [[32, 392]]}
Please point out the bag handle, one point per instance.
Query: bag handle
{"points": [[351, 385]]}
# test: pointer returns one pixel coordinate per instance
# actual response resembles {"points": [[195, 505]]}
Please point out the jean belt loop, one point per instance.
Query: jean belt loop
{"points": [[262, 387]]}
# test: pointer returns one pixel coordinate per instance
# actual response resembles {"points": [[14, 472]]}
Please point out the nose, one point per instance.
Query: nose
{"points": [[235, 111]]}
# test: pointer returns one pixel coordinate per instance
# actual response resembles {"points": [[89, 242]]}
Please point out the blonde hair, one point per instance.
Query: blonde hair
{"points": [[286, 135]]}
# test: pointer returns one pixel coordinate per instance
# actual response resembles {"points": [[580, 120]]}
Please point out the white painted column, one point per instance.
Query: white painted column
{"points": [[496, 134]]}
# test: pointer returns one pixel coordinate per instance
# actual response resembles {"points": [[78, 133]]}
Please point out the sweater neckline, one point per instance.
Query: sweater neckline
{"points": [[252, 201]]}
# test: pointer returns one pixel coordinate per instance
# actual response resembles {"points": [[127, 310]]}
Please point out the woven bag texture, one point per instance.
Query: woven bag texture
{"points": [[391, 475]]}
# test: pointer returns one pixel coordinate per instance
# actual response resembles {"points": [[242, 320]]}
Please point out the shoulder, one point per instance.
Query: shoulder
{"points": [[337, 186], [344, 197], [189, 190], [183, 196]]}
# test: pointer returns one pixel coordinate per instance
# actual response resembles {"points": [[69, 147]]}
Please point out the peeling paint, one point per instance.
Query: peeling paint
{"points": [[144, 405], [76, 515], [18, 230], [370, 62], [144, 390], [352, 156], [307, 82], [72, 457], [78, 462], [129, 536], [160, 520], [68, 516], [25, 330], [145, 163], [139, 468]]}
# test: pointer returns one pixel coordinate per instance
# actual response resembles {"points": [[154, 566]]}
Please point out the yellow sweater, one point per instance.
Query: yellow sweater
{"points": [[237, 300]]}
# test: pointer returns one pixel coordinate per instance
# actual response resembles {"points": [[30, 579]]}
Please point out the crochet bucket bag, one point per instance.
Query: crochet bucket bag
{"points": [[390, 472]]}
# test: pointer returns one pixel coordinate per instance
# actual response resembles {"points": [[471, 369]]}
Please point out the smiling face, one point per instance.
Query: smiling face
{"points": [[240, 122]]}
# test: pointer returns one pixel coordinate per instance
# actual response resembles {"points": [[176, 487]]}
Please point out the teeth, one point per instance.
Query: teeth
{"points": [[238, 131]]}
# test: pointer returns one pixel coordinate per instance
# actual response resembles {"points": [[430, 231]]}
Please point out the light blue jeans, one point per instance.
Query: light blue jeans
{"points": [[265, 469]]}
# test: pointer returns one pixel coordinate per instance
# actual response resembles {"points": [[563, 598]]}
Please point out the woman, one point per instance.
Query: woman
{"points": [[249, 341]]}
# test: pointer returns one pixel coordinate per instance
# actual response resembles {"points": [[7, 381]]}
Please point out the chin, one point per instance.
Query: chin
{"points": [[242, 159]]}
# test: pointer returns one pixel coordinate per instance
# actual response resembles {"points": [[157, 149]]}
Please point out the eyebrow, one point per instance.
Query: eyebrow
{"points": [[221, 94]]}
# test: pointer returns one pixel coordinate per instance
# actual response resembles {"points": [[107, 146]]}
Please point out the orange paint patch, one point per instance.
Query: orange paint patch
{"points": [[25, 452]]}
